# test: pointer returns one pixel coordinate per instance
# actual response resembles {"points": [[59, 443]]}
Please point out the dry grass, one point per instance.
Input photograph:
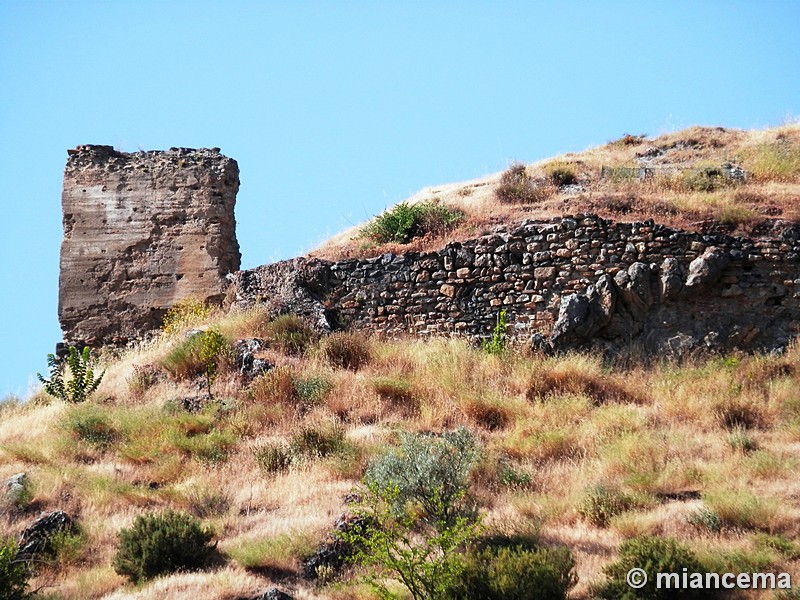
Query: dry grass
{"points": [[680, 189], [551, 428]]}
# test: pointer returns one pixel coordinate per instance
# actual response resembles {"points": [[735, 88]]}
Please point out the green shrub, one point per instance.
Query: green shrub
{"points": [[345, 350], [204, 353], [14, 573], [430, 471], [92, 425], [517, 187], [654, 555], [82, 382], [289, 334], [406, 221], [516, 573], [415, 517], [157, 544], [600, 503], [273, 458], [706, 179]]}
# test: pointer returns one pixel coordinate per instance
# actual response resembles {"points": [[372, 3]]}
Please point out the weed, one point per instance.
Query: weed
{"points": [[600, 503], [82, 382], [317, 441], [273, 458], [289, 334], [561, 173], [312, 390], [143, 378], [705, 519], [205, 502], [741, 441], [497, 344], [741, 509], [773, 161], [517, 187], [345, 350], [185, 314], [92, 425]]}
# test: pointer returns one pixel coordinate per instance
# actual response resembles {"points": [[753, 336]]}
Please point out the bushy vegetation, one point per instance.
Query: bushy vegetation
{"points": [[774, 161], [185, 314], [345, 350], [561, 173], [82, 382], [14, 573], [289, 333], [159, 543], [204, 352], [515, 572], [601, 502], [403, 222], [653, 555], [417, 513]]}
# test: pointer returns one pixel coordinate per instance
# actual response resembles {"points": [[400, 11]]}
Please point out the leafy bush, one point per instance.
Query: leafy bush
{"points": [[654, 555], [516, 573], [416, 516], [82, 383], [14, 573], [185, 314], [517, 187], [430, 471], [600, 503], [345, 350], [406, 221], [289, 334], [561, 173], [92, 425], [157, 544]]}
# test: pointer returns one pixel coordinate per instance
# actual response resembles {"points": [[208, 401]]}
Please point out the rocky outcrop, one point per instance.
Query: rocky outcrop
{"points": [[142, 231], [574, 282]]}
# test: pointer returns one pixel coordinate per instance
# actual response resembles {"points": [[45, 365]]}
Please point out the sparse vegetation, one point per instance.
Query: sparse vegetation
{"points": [[561, 173], [184, 315]]}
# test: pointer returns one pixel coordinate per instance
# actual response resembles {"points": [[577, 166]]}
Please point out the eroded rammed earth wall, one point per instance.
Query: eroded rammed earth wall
{"points": [[142, 231], [575, 281]]}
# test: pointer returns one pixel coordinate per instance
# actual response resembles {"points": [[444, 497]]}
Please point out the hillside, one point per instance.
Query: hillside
{"points": [[263, 428], [681, 179]]}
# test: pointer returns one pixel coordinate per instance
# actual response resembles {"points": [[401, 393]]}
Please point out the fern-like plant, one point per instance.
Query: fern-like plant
{"points": [[82, 383]]}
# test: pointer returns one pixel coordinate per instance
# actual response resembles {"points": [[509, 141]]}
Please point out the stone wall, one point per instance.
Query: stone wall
{"points": [[142, 231], [576, 281]]}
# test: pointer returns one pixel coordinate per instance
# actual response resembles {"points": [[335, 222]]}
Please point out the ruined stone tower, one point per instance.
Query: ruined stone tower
{"points": [[141, 231]]}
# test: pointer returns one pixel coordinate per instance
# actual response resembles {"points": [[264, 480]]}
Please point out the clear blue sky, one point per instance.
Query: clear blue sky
{"points": [[336, 109]]}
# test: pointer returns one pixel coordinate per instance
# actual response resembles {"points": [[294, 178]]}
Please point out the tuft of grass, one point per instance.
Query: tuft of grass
{"points": [[741, 509], [281, 553], [346, 350], [518, 187], [93, 425], [185, 314], [289, 333], [273, 458], [602, 502]]}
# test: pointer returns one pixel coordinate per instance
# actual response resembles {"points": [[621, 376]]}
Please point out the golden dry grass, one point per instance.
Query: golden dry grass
{"points": [[671, 196], [551, 428]]}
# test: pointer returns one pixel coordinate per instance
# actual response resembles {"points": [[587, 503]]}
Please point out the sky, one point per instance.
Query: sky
{"points": [[336, 110]]}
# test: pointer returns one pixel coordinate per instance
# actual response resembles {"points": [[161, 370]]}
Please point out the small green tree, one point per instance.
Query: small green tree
{"points": [[417, 514], [82, 383], [13, 573], [497, 344]]}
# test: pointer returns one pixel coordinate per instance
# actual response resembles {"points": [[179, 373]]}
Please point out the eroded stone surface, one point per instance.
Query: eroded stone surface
{"points": [[142, 231]]}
